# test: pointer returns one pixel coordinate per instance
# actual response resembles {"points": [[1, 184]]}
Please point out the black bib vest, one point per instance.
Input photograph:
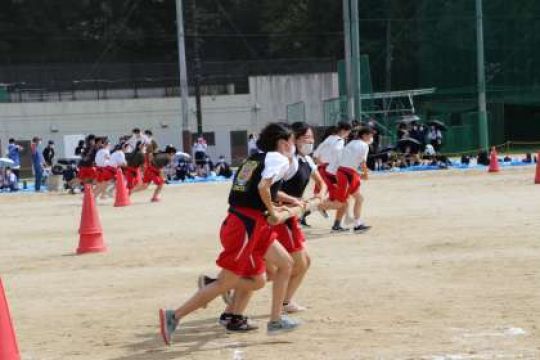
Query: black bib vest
{"points": [[245, 188], [296, 185]]}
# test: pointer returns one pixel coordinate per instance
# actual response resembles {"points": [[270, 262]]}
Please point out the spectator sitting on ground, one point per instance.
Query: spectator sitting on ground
{"points": [[69, 175], [402, 132], [528, 158], [223, 168], [482, 158], [183, 170], [429, 152], [10, 180]]}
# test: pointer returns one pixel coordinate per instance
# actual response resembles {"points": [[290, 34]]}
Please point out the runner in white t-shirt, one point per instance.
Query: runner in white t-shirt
{"points": [[354, 156], [104, 168], [118, 158], [328, 155]]}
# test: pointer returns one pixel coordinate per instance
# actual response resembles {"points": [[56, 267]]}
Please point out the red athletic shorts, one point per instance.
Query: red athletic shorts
{"points": [[152, 174], [245, 236], [87, 173], [290, 235], [330, 180], [105, 174], [133, 176], [348, 182]]}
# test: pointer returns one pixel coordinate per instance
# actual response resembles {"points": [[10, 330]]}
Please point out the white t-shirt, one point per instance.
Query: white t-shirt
{"points": [[118, 159], [293, 168], [354, 154], [252, 145], [276, 166], [103, 158], [329, 152], [133, 140], [430, 150], [198, 147]]}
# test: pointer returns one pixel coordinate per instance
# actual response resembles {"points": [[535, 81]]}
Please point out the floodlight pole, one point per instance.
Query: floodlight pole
{"points": [[182, 64], [482, 107], [355, 39], [348, 60]]}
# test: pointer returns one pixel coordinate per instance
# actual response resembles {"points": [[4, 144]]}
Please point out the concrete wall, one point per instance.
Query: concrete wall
{"points": [[267, 101], [53, 120], [272, 94]]}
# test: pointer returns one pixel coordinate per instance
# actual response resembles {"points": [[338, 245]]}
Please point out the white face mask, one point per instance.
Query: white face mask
{"points": [[370, 141], [306, 149]]}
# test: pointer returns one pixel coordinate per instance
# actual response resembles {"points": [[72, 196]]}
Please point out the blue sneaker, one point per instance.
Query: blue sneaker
{"points": [[283, 325], [168, 324]]}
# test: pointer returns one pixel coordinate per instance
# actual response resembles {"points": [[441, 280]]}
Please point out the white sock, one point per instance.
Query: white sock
{"points": [[358, 222]]}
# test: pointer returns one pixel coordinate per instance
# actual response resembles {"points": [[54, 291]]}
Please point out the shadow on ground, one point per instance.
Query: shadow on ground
{"points": [[191, 337]]}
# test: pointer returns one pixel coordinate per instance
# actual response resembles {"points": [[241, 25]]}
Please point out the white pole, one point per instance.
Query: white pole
{"points": [[182, 63]]}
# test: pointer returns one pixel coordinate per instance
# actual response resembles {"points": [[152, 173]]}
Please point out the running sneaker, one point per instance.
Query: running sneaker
{"points": [[225, 319], [361, 229], [339, 229], [292, 308], [168, 324], [240, 323], [155, 199], [283, 325], [207, 280]]}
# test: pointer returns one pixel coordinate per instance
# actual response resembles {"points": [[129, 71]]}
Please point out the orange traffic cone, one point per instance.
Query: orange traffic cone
{"points": [[8, 342], [493, 161], [90, 231], [122, 194], [537, 179]]}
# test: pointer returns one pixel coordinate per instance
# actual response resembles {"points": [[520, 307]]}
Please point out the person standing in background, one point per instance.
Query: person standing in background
{"points": [[37, 162], [200, 149], [48, 153], [252, 145], [14, 153], [80, 148]]}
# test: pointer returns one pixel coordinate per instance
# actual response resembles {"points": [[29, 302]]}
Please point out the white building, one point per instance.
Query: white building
{"points": [[227, 119]]}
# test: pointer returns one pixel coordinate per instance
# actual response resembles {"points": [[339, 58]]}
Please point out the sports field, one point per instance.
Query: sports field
{"points": [[450, 270]]}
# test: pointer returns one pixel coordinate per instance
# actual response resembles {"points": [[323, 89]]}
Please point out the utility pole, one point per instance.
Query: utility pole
{"points": [[348, 60], [482, 111], [355, 40], [197, 68], [182, 64], [389, 59]]}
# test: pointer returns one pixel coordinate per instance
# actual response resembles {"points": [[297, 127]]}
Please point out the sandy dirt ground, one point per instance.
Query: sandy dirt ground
{"points": [[450, 270]]}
